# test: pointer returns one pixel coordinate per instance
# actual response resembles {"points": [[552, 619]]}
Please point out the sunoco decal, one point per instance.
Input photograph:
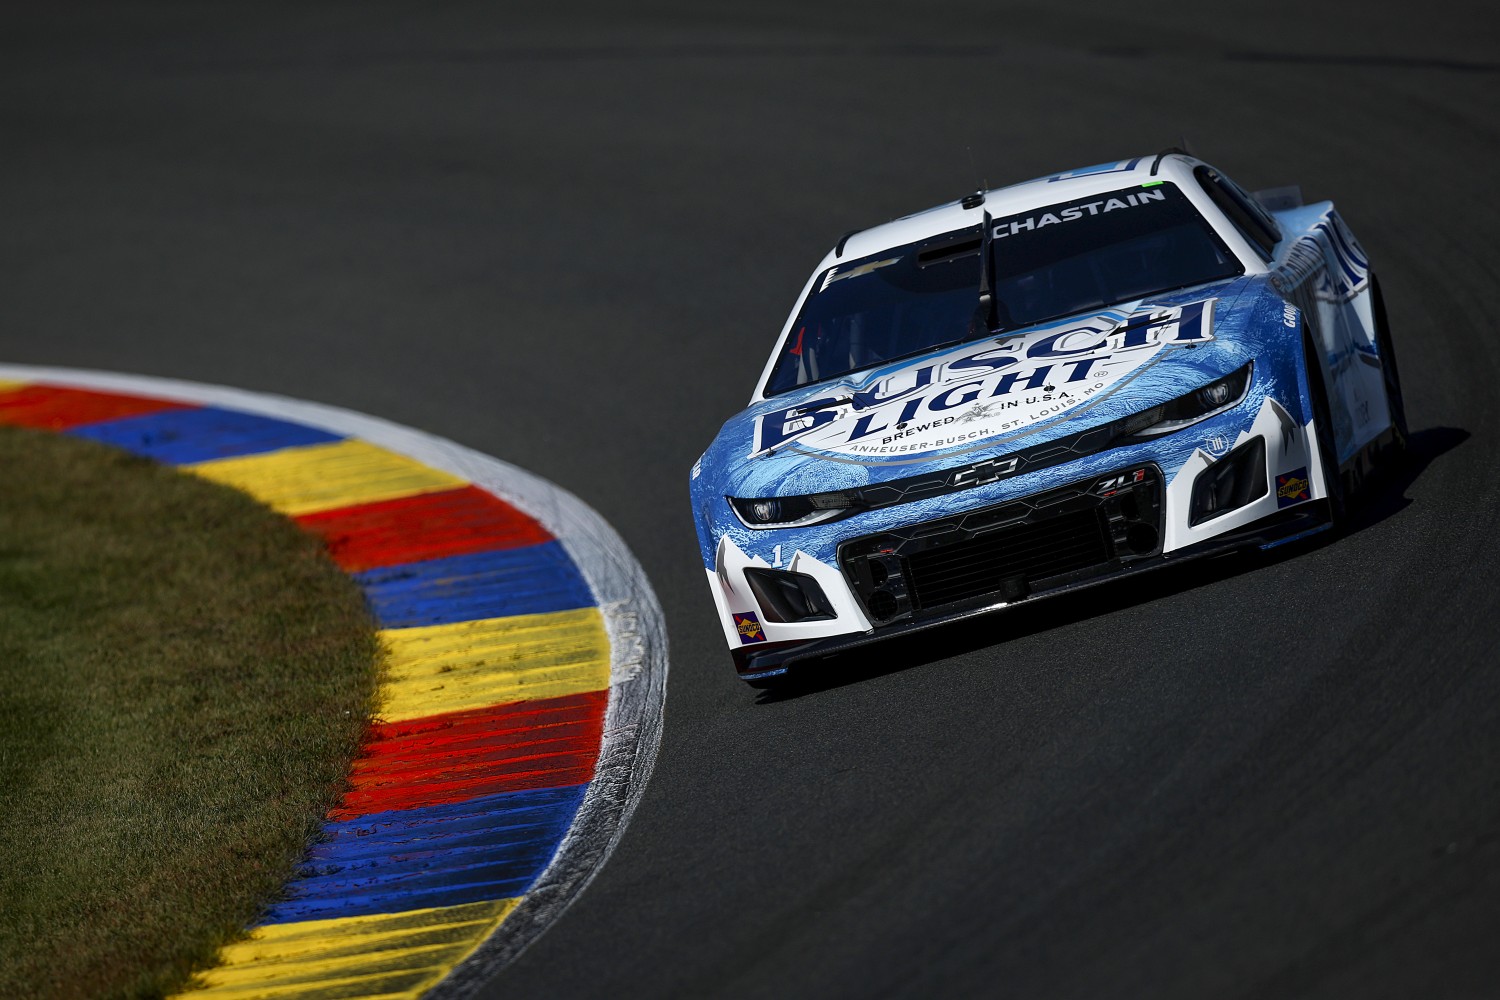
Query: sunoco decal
{"points": [[749, 628], [1292, 488], [985, 388]]}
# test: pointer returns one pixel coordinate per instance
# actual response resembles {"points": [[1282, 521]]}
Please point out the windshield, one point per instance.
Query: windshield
{"points": [[1047, 264]]}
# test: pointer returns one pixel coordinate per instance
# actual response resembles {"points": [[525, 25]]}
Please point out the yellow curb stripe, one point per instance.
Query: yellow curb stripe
{"points": [[317, 477], [433, 669], [389, 955]]}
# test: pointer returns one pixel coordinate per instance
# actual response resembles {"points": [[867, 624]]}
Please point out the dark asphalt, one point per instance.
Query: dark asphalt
{"points": [[568, 239]]}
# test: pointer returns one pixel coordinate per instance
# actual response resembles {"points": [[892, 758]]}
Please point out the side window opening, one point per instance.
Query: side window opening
{"points": [[1253, 206], [1252, 222]]}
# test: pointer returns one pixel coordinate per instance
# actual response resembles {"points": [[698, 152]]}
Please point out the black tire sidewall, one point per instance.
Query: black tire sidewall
{"points": [[1385, 347], [1317, 389]]}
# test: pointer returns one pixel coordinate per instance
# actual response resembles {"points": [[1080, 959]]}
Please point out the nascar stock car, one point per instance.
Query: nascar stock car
{"points": [[1041, 387]]}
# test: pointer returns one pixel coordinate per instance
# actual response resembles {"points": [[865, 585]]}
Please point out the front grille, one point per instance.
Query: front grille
{"points": [[1038, 542], [989, 562]]}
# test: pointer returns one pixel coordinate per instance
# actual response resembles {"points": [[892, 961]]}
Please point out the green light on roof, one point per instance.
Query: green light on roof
{"points": [[1152, 184]]}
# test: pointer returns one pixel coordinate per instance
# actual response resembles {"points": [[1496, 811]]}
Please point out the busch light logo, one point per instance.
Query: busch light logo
{"points": [[985, 388]]}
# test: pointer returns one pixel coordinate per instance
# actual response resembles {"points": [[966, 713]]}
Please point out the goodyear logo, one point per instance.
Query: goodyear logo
{"points": [[1292, 488], [749, 628]]}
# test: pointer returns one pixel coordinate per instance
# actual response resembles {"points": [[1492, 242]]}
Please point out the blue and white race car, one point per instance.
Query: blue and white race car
{"points": [[1041, 387]]}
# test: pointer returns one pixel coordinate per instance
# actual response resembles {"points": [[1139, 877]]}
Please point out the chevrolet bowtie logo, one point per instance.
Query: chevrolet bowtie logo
{"points": [[984, 473]]}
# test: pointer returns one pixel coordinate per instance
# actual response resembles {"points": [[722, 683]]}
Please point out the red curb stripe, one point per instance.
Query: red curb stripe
{"points": [[55, 408], [457, 756], [426, 526]]}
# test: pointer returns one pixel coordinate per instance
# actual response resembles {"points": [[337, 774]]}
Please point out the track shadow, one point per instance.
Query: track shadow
{"points": [[1387, 494], [1385, 498]]}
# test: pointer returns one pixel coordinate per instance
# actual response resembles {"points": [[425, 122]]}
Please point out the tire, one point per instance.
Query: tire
{"points": [[1387, 351], [1328, 454]]}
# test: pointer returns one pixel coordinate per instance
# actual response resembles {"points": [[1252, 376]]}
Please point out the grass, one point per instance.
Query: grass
{"points": [[184, 677]]}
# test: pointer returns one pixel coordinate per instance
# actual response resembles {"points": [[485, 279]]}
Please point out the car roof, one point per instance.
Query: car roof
{"points": [[1012, 199]]}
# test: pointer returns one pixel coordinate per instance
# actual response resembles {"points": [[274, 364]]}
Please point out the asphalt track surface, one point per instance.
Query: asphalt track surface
{"points": [[567, 238]]}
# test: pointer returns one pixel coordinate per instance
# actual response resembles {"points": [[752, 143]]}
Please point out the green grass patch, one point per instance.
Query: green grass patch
{"points": [[184, 676]]}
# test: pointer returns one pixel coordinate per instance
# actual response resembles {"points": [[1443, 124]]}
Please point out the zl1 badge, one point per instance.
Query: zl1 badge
{"points": [[749, 628], [1292, 488]]}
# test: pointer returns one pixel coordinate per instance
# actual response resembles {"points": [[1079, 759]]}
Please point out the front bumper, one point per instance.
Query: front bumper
{"points": [[775, 658], [994, 548]]}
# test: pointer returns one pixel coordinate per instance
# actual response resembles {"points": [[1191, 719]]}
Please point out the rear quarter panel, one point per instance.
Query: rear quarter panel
{"points": [[1323, 270]]}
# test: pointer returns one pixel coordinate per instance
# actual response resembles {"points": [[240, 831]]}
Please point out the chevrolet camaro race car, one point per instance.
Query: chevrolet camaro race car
{"points": [[1041, 387]]}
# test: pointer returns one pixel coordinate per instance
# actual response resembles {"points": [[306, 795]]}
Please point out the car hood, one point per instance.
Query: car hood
{"points": [[993, 396]]}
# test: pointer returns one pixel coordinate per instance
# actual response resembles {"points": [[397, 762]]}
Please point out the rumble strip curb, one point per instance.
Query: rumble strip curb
{"points": [[632, 619]]}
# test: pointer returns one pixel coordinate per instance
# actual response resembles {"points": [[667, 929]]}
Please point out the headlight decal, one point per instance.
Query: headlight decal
{"points": [[1190, 408]]}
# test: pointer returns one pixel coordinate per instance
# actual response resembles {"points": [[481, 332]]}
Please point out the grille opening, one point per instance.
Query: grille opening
{"points": [[882, 605], [1142, 538], [1006, 552], [984, 564]]}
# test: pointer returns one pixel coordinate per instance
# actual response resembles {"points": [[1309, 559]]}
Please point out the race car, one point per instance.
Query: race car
{"points": [[1037, 388]]}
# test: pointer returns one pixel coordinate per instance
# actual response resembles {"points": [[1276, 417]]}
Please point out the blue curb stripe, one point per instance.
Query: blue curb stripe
{"points": [[180, 437], [484, 849], [535, 579]]}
